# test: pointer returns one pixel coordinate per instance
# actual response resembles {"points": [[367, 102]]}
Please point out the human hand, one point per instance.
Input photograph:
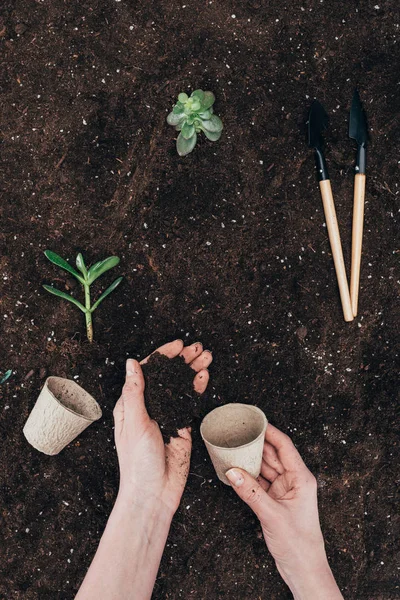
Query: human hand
{"points": [[153, 473], [284, 498]]}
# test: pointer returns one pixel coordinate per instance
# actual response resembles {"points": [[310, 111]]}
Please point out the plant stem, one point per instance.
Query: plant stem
{"points": [[88, 314]]}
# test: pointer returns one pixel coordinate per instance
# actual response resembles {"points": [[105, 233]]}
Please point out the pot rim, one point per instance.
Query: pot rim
{"points": [[252, 407], [70, 410]]}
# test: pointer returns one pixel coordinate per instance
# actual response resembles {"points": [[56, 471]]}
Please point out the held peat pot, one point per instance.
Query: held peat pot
{"points": [[62, 411], [234, 437]]}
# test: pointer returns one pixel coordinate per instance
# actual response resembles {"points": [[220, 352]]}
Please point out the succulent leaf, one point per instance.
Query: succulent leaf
{"points": [[80, 263], [187, 130], [60, 294], [199, 94], [175, 118], [178, 108], [206, 114], [106, 292], [101, 267], [185, 146], [214, 123], [196, 105], [213, 136], [208, 100], [182, 97], [60, 262]]}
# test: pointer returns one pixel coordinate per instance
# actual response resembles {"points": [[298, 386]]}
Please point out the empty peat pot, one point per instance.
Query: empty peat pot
{"points": [[234, 437], [62, 411]]}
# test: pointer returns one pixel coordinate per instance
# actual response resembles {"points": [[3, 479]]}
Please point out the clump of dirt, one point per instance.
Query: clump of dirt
{"points": [[170, 396]]}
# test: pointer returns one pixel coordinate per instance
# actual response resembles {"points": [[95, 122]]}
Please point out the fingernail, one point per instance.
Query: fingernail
{"points": [[235, 477], [129, 367]]}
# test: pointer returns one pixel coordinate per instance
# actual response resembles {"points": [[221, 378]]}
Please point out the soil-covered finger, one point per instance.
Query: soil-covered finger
{"points": [[169, 350], [203, 361], [201, 380], [189, 353]]}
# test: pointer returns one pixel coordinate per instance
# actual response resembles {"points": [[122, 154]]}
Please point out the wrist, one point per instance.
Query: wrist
{"points": [[310, 577], [149, 511]]}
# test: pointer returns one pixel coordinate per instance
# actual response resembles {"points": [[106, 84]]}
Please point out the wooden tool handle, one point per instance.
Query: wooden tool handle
{"points": [[336, 246], [356, 243]]}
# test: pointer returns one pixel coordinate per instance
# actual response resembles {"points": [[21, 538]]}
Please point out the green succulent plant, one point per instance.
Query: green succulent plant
{"points": [[86, 278], [6, 376], [191, 115]]}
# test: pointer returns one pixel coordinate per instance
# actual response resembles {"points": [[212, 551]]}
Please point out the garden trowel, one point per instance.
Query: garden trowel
{"points": [[318, 121], [358, 131]]}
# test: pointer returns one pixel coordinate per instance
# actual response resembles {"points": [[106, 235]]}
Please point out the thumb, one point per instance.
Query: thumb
{"points": [[135, 413], [249, 490]]}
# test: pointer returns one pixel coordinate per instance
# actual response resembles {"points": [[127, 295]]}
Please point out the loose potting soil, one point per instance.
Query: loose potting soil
{"points": [[226, 246], [170, 397]]}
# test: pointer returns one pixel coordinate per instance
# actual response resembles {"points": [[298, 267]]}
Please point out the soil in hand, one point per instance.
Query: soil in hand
{"points": [[170, 396]]}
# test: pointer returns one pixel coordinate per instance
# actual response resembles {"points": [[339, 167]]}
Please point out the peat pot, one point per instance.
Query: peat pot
{"points": [[234, 436], [62, 411]]}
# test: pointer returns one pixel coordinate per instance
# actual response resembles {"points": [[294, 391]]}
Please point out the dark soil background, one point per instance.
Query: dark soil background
{"points": [[226, 246]]}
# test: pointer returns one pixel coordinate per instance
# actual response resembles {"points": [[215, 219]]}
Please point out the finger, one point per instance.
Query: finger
{"points": [[177, 454], [268, 472], [250, 491], [170, 350], [263, 483], [202, 361], [135, 413], [185, 434], [287, 453], [189, 353], [200, 381], [271, 458]]}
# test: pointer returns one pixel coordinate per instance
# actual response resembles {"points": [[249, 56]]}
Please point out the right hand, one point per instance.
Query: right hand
{"points": [[284, 498]]}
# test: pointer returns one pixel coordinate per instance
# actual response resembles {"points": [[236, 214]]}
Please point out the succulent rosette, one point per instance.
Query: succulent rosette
{"points": [[191, 115]]}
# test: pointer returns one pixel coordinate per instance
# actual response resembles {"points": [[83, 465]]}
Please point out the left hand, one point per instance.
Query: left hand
{"points": [[152, 473]]}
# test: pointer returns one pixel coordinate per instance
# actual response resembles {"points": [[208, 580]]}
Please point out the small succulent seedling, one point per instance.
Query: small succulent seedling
{"points": [[86, 278], [6, 376], [191, 115]]}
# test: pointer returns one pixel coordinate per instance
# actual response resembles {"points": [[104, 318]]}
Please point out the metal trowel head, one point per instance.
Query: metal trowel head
{"points": [[358, 128], [317, 121]]}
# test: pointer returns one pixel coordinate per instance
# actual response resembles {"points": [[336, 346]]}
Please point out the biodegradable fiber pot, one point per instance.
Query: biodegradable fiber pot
{"points": [[234, 437], [62, 411]]}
